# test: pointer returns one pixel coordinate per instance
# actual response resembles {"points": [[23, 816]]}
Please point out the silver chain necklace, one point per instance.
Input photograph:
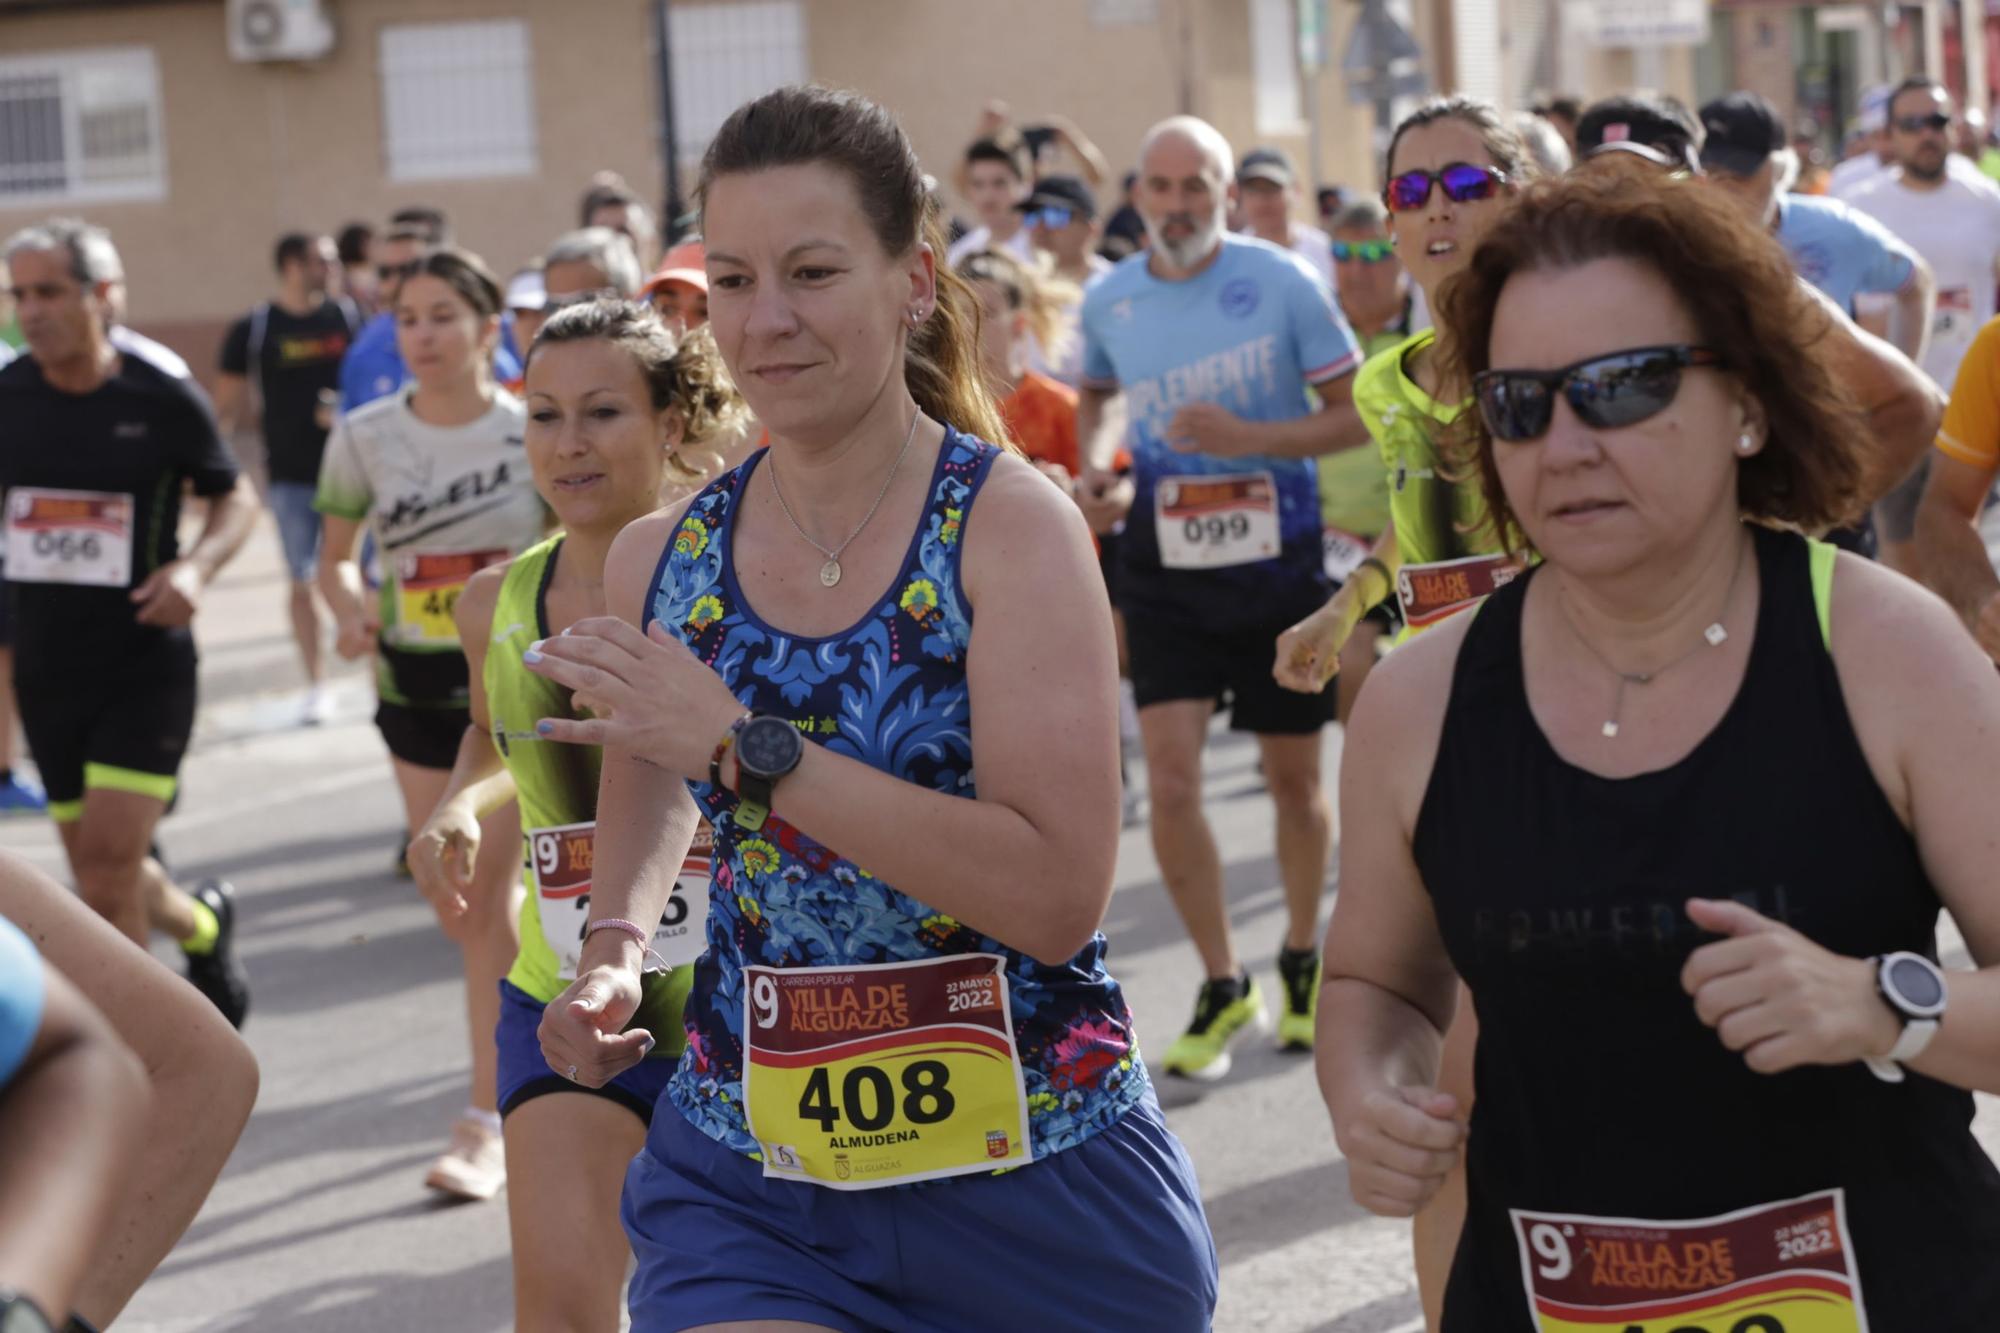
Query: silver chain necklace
{"points": [[1712, 637], [829, 573]]}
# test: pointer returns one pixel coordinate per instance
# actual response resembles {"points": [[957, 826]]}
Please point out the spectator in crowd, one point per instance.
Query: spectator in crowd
{"points": [[1545, 143], [595, 261], [1370, 285], [1563, 111], [610, 202], [1125, 229], [358, 281], [527, 305], [1061, 215], [678, 289], [1869, 151], [994, 177], [1267, 190], [287, 353]]}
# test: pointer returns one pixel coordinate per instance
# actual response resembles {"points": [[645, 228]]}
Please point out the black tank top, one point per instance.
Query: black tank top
{"points": [[1603, 1103]]}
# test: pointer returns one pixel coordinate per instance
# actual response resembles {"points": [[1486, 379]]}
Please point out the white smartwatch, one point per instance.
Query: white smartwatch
{"points": [[1913, 986]]}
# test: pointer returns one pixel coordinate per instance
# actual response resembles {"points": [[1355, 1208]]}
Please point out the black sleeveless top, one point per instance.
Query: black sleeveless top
{"points": [[1604, 1105]]}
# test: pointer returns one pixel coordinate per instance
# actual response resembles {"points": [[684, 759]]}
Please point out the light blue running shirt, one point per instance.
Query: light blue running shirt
{"points": [[1841, 250], [1249, 332], [21, 990]]}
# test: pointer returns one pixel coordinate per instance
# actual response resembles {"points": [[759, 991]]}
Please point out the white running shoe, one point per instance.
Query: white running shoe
{"points": [[473, 1165], [313, 708]]}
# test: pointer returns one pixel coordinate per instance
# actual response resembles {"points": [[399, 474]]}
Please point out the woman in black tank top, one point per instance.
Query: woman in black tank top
{"points": [[1661, 804]]}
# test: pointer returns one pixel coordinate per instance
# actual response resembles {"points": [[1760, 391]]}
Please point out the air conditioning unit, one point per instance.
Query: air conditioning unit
{"points": [[279, 30]]}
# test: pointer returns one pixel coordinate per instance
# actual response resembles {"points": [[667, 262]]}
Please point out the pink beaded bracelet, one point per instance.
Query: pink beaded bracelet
{"points": [[637, 932]]}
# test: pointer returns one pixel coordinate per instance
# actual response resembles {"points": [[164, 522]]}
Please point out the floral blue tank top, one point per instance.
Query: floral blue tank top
{"points": [[890, 692]]}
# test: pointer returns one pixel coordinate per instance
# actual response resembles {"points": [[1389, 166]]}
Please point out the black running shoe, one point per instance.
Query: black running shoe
{"points": [[216, 973]]}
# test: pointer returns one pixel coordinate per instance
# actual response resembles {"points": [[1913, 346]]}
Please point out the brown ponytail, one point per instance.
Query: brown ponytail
{"points": [[941, 364]]}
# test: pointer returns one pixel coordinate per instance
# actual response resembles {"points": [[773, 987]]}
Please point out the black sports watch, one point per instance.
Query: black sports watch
{"points": [[19, 1314], [768, 748]]}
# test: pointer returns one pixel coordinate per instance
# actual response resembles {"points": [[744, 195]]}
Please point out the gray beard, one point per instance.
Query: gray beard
{"points": [[1186, 254]]}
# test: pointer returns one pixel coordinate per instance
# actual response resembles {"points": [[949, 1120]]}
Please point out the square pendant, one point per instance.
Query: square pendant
{"points": [[1715, 634], [1611, 731]]}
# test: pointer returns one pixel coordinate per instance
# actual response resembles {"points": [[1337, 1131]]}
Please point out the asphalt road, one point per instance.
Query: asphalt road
{"points": [[321, 1223]]}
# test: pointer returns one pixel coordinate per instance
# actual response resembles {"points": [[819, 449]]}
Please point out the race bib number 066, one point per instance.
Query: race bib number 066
{"points": [[1777, 1268], [859, 1077], [75, 537]]}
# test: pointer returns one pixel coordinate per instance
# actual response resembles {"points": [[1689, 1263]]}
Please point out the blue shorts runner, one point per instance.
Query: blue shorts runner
{"points": [[524, 1072], [716, 1240]]}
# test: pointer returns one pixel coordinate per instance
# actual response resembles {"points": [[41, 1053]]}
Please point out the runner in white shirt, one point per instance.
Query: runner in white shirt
{"points": [[1953, 221], [1267, 188], [994, 178]]}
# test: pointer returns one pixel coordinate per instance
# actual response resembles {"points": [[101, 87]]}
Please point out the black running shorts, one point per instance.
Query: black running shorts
{"points": [[1172, 660], [121, 733]]}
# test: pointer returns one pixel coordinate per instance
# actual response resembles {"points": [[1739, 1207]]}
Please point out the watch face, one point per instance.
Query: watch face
{"points": [[769, 745], [1916, 983]]}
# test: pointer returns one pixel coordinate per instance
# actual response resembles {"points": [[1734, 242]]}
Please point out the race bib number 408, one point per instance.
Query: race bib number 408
{"points": [[860, 1077], [1213, 522], [564, 858], [1777, 1268], [76, 537]]}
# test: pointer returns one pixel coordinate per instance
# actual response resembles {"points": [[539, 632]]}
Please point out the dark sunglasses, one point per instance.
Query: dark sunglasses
{"points": [[1462, 184], [1936, 120], [1367, 252], [397, 272], [1606, 392]]}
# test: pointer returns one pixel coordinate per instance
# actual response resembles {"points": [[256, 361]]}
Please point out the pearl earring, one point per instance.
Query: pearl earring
{"points": [[1746, 444]]}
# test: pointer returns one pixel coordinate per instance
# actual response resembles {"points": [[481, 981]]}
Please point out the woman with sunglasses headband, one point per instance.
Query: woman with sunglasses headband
{"points": [[1681, 806], [1453, 163]]}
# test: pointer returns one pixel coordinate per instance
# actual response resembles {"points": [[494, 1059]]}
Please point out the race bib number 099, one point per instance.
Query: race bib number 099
{"points": [[1777, 1268], [1213, 522], [860, 1077], [75, 537], [563, 859], [427, 587]]}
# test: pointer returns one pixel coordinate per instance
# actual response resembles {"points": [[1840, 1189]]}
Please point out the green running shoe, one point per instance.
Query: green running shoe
{"points": [[1299, 972], [1221, 1011]]}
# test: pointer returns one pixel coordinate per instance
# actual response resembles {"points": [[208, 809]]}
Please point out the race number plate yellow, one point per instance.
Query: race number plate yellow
{"points": [[1777, 1268], [427, 587], [860, 1077]]}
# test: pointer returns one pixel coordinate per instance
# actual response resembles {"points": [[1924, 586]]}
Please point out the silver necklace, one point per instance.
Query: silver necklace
{"points": [[1712, 637], [829, 573]]}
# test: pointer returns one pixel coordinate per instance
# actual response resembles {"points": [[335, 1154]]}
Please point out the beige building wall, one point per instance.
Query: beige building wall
{"points": [[254, 150]]}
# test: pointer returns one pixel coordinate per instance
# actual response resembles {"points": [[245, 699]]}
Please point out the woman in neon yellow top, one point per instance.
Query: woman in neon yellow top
{"points": [[617, 405], [1453, 164]]}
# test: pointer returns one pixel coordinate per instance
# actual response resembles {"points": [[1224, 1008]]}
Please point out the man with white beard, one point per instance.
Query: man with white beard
{"points": [[1213, 340]]}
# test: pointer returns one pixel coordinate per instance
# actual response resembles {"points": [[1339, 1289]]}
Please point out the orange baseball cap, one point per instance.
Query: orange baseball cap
{"points": [[683, 264]]}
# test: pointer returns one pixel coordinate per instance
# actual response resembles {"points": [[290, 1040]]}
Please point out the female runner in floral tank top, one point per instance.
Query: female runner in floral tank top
{"points": [[912, 1097]]}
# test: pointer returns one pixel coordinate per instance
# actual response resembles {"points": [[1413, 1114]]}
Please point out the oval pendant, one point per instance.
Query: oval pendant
{"points": [[829, 573]]}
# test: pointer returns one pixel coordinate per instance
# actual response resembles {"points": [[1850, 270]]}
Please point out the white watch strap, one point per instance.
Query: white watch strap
{"points": [[1917, 1034]]}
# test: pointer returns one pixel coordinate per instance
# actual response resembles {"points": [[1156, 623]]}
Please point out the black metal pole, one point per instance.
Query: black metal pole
{"points": [[669, 151]]}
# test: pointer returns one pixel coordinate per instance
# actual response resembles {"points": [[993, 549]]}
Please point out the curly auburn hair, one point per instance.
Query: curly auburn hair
{"points": [[1739, 289], [683, 371]]}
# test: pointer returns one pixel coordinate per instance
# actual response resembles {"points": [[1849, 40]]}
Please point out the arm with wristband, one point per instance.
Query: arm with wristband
{"points": [[1308, 654], [645, 824]]}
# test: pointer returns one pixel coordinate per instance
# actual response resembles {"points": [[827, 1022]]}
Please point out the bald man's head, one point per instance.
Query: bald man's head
{"points": [[1186, 175]]}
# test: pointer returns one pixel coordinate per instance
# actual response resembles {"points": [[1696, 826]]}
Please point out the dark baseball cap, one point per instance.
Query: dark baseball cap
{"points": [[1267, 164], [1743, 131], [1651, 120], [1061, 192]]}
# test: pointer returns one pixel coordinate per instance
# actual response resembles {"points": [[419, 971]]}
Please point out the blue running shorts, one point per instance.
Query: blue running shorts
{"points": [[1106, 1235], [524, 1073]]}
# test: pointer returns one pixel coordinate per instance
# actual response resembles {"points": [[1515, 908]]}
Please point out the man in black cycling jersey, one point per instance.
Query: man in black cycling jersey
{"points": [[95, 449]]}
